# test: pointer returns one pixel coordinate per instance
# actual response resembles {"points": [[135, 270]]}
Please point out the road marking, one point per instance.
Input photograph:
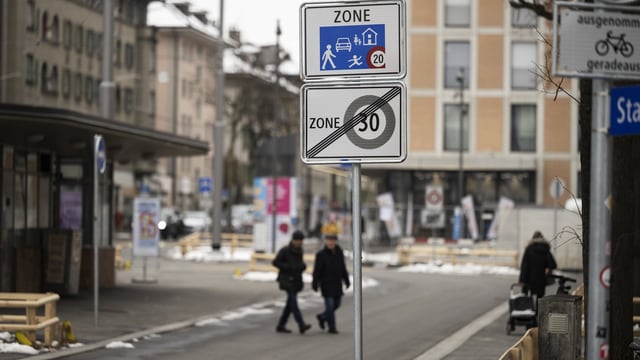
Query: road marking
{"points": [[363, 115], [448, 345]]}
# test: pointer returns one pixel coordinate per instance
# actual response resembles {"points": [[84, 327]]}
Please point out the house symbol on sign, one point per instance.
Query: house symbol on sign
{"points": [[370, 37]]}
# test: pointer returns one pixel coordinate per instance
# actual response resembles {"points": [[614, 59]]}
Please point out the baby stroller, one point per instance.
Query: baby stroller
{"points": [[522, 310]]}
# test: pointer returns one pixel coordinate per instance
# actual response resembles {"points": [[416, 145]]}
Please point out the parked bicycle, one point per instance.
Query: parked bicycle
{"points": [[618, 43]]}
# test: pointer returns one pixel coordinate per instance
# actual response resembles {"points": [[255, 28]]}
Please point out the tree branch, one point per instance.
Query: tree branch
{"points": [[540, 9]]}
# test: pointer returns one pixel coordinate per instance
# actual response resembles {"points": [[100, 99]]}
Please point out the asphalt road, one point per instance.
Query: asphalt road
{"points": [[405, 315]]}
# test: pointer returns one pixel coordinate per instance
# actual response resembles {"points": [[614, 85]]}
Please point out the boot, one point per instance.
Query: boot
{"points": [[304, 328]]}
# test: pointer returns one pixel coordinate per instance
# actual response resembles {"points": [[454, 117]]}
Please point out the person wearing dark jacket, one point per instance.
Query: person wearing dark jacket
{"points": [[537, 262], [291, 265], [329, 272]]}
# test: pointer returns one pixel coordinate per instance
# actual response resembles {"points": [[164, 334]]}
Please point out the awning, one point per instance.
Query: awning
{"points": [[69, 133]]}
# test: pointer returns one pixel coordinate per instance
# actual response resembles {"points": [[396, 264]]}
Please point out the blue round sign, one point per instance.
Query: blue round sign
{"points": [[101, 154]]}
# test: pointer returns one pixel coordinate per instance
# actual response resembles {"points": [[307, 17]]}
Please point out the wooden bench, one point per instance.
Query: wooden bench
{"points": [[233, 240], [262, 262], [30, 322]]}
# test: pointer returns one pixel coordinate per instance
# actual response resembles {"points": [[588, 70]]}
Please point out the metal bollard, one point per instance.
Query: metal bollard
{"points": [[559, 319]]}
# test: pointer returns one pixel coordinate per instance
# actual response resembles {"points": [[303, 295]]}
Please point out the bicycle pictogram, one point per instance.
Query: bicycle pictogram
{"points": [[618, 43]]}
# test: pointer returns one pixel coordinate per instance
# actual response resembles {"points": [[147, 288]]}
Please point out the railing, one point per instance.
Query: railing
{"points": [[525, 349], [409, 254], [30, 322]]}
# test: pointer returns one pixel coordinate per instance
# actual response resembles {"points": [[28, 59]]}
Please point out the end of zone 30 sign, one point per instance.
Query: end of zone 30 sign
{"points": [[356, 39], [353, 123]]}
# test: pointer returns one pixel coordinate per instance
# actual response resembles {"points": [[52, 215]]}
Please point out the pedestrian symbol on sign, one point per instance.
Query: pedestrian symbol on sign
{"points": [[352, 47]]}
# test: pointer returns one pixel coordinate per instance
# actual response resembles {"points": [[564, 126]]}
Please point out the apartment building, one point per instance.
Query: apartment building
{"points": [[476, 63], [51, 55]]}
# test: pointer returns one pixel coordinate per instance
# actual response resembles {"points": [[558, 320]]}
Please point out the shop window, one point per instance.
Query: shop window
{"points": [[452, 122], [518, 186], [457, 13], [66, 83], [523, 128], [523, 65], [456, 58]]}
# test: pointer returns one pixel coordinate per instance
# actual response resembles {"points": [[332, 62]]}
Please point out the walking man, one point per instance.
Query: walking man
{"points": [[329, 273], [326, 57], [290, 264]]}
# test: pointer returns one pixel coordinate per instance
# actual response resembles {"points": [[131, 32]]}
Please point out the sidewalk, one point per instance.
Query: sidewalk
{"points": [[192, 291]]}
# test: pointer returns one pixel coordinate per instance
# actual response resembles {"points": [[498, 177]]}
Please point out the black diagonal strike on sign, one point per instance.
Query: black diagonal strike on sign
{"points": [[363, 115]]}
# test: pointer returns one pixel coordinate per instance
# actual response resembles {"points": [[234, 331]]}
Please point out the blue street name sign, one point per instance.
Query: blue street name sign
{"points": [[204, 184], [625, 111]]}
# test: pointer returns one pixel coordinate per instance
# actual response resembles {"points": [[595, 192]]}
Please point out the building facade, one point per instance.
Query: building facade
{"points": [[481, 64], [51, 56]]}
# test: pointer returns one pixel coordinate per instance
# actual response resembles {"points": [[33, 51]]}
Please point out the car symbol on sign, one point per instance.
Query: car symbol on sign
{"points": [[343, 43]]}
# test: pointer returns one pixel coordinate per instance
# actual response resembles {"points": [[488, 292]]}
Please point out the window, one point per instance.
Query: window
{"points": [[31, 77], [88, 89], [128, 100], [118, 99], [452, 114], [117, 53], [45, 23], [523, 65], [77, 87], [49, 79], [128, 56], [77, 39], [96, 90], [90, 42], [457, 13], [66, 83], [97, 45], [31, 15], [50, 28], [523, 128], [456, 58], [152, 102], [523, 18], [67, 34]]}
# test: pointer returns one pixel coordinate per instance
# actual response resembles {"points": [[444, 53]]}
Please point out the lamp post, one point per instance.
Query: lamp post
{"points": [[274, 151], [460, 80], [218, 138]]}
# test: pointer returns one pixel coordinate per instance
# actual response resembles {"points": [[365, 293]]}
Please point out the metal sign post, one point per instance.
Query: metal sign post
{"points": [[99, 166], [357, 260]]}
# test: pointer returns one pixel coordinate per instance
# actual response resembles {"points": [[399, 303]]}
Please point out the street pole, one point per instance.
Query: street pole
{"points": [[357, 260], [599, 222], [274, 148], [107, 87], [460, 80], [218, 137]]}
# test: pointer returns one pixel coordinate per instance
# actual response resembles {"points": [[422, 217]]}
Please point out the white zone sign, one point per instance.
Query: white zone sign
{"points": [[353, 123], [353, 39], [600, 44]]}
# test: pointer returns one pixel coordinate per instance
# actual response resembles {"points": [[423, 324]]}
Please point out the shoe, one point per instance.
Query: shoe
{"points": [[282, 329], [321, 321], [333, 331], [304, 328]]}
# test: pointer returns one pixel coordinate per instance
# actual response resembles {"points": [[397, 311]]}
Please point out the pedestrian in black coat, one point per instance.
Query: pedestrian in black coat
{"points": [[329, 272], [537, 262], [290, 264]]}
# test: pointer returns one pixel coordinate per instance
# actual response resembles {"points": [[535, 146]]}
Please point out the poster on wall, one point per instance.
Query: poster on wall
{"points": [[71, 209], [145, 229], [285, 211]]}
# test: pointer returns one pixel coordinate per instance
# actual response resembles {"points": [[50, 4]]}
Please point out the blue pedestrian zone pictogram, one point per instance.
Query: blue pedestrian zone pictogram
{"points": [[352, 47]]}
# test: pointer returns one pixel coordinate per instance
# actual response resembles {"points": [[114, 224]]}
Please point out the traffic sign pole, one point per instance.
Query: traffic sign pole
{"points": [[357, 259]]}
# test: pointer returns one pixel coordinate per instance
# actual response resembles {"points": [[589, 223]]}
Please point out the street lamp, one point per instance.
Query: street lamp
{"points": [[460, 81]]}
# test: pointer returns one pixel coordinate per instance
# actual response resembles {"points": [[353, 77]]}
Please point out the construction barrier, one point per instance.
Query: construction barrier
{"points": [[525, 349], [30, 322], [262, 262], [411, 254], [233, 240]]}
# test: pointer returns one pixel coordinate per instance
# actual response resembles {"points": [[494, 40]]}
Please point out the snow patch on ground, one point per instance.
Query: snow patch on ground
{"points": [[458, 269], [16, 348], [119, 345]]}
